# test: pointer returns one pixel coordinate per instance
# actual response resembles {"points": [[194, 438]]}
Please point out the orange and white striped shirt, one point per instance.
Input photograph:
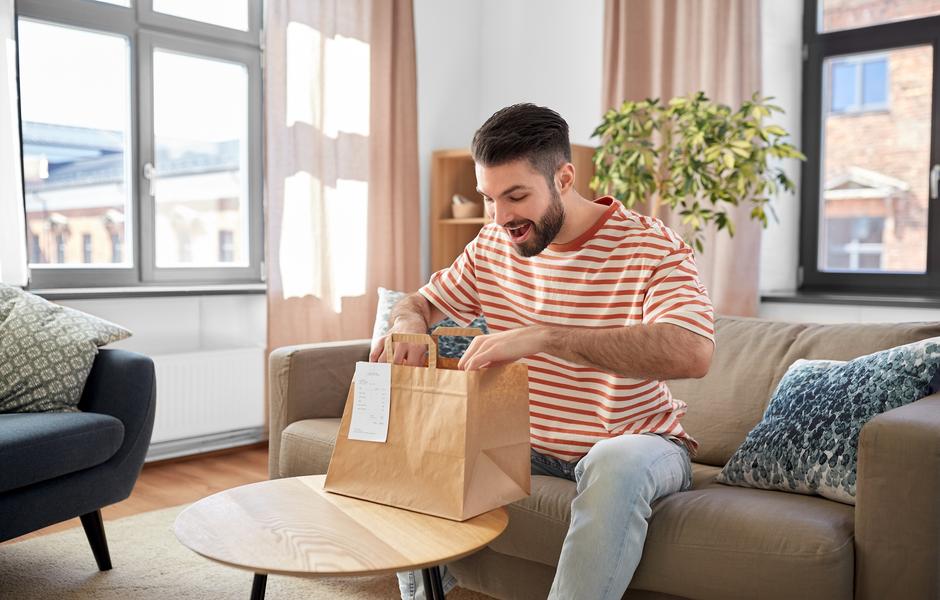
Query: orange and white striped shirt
{"points": [[627, 269]]}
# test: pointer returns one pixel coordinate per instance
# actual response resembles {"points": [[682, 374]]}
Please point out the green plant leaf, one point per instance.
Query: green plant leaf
{"points": [[728, 159], [693, 154]]}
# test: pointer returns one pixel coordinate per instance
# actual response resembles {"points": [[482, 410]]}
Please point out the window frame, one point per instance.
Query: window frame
{"points": [[143, 29], [198, 29], [817, 47], [148, 41]]}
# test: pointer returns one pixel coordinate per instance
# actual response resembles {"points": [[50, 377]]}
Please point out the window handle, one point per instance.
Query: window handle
{"points": [[934, 182], [150, 174]]}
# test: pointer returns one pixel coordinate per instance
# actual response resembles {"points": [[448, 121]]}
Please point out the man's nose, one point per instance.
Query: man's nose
{"points": [[501, 213]]}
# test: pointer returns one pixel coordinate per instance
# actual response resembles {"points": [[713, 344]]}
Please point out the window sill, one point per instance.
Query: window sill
{"points": [[149, 291], [850, 299]]}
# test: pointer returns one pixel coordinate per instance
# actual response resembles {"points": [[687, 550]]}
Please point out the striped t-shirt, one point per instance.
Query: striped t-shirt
{"points": [[627, 269]]}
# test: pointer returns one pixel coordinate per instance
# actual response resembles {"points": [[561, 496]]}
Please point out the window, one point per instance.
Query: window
{"points": [[837, 15], [60, 247], [226, 246], [858, 84], [116, 248], [141, 140], [86, 247], [35, 254], [870, 119], [854, 243]]}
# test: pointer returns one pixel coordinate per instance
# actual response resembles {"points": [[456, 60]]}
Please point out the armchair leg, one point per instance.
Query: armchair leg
{"points": [[94, 531]]}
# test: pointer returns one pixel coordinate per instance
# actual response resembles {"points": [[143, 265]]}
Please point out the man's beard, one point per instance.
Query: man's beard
{"points": [[545, 230]]}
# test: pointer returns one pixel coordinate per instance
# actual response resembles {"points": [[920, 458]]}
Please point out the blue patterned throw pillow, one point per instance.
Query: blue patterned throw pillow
{"points": [[807, 441], [448, 346]]}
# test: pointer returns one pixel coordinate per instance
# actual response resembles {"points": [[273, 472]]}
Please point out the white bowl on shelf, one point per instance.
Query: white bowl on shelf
{"points": [[467, 210]]}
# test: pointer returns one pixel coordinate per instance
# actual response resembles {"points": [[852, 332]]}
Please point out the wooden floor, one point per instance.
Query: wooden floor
{"points": [[179, 481]]}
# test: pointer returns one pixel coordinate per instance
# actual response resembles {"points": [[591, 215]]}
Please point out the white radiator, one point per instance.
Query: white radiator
{"points": [[207, 400]]}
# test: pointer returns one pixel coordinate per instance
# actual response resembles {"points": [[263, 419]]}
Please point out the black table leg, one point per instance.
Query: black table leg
{"points": [[257, 586], [437, 583], [433, 587]]}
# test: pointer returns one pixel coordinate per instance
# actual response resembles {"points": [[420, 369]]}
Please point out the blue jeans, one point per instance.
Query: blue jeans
{"points": [[617, 482]]}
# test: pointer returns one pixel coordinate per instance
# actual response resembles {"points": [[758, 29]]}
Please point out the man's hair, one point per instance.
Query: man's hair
{"points": [[535, 133]]}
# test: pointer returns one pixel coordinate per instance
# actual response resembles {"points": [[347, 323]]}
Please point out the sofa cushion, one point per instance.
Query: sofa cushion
{"points": [[727, 403], [808, 439], [39, 446], [851, 340], [717, 542], [306, 447], [751, 356], [701, 541]]}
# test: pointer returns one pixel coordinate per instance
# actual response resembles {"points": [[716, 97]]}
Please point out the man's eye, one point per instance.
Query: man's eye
{"points": [[487, 200], [517, 199]]}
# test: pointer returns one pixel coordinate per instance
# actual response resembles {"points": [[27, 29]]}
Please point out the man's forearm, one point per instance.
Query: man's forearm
{"points": [[414, 311], [658, 351]]}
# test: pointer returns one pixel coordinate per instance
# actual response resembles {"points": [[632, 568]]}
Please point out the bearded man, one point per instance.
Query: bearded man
{"points": [[603, 305]]}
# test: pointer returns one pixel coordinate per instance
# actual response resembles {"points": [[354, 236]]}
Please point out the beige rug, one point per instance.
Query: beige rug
{"points": [[149, 563]]}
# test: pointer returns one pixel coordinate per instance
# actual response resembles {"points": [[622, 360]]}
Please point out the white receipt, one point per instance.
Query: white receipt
{"points": [[373, 386]]}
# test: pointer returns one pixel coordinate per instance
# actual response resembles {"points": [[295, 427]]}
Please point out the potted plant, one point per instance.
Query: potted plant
{"points": [[697, 157]]}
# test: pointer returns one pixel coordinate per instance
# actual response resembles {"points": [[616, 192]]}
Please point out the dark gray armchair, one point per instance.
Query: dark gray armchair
{"points": [[56, 466]]}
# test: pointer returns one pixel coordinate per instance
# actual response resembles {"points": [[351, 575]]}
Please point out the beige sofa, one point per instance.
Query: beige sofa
{"points": [[713, 542]]}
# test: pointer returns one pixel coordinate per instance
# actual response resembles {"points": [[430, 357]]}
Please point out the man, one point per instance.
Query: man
{"points": [[603, 305]]}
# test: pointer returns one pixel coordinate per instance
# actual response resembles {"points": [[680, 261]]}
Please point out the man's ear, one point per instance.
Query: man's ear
{"points": [[564, 178]]}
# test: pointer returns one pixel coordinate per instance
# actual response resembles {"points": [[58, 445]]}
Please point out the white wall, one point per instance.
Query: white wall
{"points": [[781, 76], [447, 47], [185, 323], [205, 401], [549, 52], [835, 313], [474, 58]]}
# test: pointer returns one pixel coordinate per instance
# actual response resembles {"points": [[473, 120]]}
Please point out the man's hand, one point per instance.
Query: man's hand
{"points": [[504, 347], [410, 315], [405, 354]]}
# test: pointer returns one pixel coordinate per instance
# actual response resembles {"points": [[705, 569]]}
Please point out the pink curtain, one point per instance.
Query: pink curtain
{"points": [[667, 48], [341, 172]]}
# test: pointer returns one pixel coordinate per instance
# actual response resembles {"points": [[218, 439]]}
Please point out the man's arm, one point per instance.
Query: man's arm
{"points": [[411, 314], [657, 351], [415, 309]]}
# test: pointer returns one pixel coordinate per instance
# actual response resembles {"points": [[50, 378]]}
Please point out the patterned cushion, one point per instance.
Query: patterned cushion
{"points": [[807, 441], [448, 346], [46, 352]]}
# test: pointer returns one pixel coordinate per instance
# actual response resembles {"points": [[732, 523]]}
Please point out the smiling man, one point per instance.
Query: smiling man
{"points": [[603, 305]]}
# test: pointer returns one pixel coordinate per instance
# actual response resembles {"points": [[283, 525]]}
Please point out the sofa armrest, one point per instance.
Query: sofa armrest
{"points": [[897, 510], [309, 381], [122, 384]]}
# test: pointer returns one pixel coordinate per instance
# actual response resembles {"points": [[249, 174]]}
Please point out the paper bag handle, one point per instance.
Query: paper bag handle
{"points": [[461, 331], [414, 338]]}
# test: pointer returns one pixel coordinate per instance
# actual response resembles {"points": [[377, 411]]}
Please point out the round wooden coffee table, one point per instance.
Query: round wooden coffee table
{"points": [[293, 527]]}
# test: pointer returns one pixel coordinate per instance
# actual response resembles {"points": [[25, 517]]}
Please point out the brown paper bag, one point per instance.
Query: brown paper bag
{"points": [[458, 441]]}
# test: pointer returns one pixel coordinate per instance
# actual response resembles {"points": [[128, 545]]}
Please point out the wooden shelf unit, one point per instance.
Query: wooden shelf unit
{"points": [[452, 172]]}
